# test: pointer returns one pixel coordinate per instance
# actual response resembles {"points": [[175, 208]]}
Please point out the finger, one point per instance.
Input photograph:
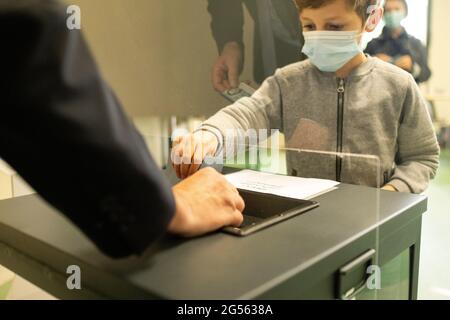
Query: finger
{"points": [[197, 160], [218, 78], [226, 85], [176, 161], [186, 163], [209, 150], [220, 85], [186, 159], [176, 141], [240, 204], [227, 217], [184, 168], [236, 219], [231, 187], [175, 155], [233, 77], [177, 171]]}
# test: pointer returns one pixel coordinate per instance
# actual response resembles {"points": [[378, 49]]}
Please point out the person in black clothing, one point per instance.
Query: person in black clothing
{"points": [[63, 130], [278, 38], [396, 46]]}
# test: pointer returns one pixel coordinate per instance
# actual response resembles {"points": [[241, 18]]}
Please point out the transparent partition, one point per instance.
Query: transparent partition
{"points": [[350, 205], [196, 69]]}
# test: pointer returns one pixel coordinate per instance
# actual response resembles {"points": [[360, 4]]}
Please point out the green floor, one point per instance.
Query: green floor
{"points": [[434, 276]]}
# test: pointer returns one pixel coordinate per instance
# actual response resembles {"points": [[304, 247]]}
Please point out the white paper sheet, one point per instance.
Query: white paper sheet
{"points": [[285, 186]]}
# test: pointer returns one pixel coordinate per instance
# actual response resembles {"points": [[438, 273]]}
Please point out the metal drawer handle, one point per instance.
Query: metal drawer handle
{"points": [[350, 267]]}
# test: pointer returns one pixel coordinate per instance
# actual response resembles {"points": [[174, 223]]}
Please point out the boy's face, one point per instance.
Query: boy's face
{"points": [[335, 16]]}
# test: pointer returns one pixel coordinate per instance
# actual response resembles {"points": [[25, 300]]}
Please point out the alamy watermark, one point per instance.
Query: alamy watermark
{"points": [[73, 21], [374, 280], [73, 281], [237, 147]]}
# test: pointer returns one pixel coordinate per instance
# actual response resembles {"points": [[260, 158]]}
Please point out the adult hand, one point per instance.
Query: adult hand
{"points": [[227, 68], [405, 62], [384, 57], [189, 151], [205, 202]]}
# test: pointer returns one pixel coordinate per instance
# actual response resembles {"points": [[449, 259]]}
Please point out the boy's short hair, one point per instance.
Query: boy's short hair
{"points": [[360, 6]]}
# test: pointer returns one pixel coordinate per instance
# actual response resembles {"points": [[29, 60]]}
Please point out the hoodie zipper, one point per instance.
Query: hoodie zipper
{"points": [[340, 125]]}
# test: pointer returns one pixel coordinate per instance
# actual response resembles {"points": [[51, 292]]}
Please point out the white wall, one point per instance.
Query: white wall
{"points": [[440, 48], [439, 85], [157, 54]]}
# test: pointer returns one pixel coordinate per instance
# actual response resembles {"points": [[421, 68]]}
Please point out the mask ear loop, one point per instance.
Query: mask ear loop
{"points": [[375, 13]]}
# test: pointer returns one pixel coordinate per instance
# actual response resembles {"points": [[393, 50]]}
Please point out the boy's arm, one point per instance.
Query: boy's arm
{"points": [[261, 111], [417, 157]]}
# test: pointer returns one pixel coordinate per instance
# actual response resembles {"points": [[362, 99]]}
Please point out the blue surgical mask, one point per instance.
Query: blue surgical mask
{"points": [[331, 50], [393, 19]]}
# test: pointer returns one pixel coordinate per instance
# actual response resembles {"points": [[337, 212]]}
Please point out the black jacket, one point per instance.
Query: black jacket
{"points": [[63, 130], [227, 21], [401, 46]]}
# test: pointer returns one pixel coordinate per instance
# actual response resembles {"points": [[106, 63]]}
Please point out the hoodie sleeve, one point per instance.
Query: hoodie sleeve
{"points": [[261, 111], [417, 157]]}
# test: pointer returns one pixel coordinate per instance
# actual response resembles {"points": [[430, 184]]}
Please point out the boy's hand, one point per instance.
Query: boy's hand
{"points": [[189, 151], [205, 202]]}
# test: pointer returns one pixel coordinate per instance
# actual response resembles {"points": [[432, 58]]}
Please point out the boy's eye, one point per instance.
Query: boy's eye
{"points": [[308, 27], [335, 27]]}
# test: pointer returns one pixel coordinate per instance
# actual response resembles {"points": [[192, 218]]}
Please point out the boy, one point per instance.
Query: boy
{"points": [[338, 101]]}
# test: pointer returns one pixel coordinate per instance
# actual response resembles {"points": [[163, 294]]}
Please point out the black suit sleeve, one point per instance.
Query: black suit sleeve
{"points": [[227, 21], [63, 130]]}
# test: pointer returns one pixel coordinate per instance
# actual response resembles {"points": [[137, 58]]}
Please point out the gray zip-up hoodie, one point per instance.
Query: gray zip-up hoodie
{"points": [[377, 110]]}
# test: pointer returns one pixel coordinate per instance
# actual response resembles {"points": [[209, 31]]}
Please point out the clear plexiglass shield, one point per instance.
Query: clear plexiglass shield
{"points": [[352, 206]]}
